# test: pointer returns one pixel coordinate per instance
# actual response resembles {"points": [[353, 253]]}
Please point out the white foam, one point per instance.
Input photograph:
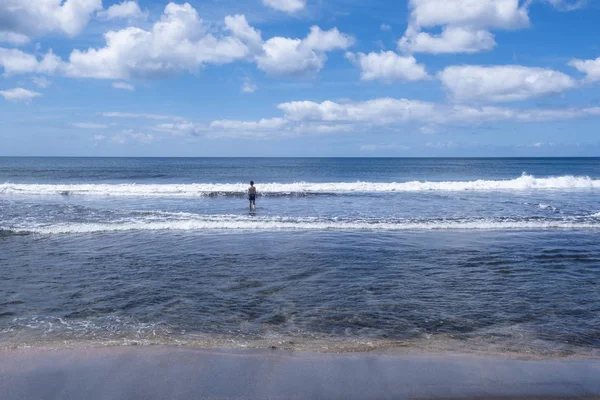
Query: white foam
{"points": [[524, 182], [597, 215], [547, 207], [236, 223]]}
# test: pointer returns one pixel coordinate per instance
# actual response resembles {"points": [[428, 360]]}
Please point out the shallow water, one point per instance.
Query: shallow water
{"points": [[340, 255]]}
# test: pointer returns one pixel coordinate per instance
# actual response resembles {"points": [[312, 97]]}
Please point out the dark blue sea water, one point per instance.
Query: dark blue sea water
{"points": [[340, 255]]}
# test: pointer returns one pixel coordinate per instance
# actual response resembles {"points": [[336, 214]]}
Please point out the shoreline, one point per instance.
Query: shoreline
{"points": [[163, 372], [441, 345]]}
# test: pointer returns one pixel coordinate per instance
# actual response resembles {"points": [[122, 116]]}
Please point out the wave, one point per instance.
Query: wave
{"points": [[238, 223], [524, 182]]}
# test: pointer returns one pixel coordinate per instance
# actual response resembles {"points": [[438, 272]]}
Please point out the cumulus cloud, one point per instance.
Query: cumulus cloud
{"points": [[123, 86], [125, 10], [589, 67], [19, 94], [504, 14], [180, 41], [22, 20], [289, 6], [503, 83], [466, 24], [388, 66], [14, 61], [451, 40], [301, 57]]}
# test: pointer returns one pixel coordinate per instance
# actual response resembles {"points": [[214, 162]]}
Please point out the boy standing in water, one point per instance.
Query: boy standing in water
{"points": [[252, 195]]}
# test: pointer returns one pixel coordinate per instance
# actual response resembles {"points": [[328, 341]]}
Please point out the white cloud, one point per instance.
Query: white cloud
{"points": [[451, 40], [87, 125], [123, 86], [124, 10], [568, 5], [301, 57], [15, 61], [179, 42], [500, 14], [178, 129], [41, 82], [13, 38], [98, 138], [269, 128], [239, 27], [388, 66], [590, 67], [328, 116], [131, 135], [273, 123], [332, 39], [261, 128], [118, 114], [19, 94], [503, 83], [385, 27], [289, 6], [308, 117], [20, 19], [249, 87], [380, 111], [466, 24]]}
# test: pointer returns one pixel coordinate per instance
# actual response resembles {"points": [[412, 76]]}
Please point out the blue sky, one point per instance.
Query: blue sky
{"points": [[299, 78]]}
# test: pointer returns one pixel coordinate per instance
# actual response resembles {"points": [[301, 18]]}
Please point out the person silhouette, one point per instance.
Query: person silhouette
{"points": [[252, 195]]}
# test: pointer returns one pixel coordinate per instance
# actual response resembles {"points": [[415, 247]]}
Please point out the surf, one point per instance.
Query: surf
{"points": [[213, 223], [524, 182]]}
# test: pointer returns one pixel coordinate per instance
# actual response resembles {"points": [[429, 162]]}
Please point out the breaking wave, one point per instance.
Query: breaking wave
{"points": [[524, 182], [200, 223]]}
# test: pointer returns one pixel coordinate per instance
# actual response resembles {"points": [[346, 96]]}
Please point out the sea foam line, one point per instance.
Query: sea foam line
{"points": [[524, 182], [231, 224]]}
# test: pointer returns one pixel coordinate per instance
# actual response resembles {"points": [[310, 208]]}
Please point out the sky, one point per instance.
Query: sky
{"points": [[281, 78]]}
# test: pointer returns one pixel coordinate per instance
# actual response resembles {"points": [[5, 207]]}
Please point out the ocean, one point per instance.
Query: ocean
{"points": [[341, 254]]}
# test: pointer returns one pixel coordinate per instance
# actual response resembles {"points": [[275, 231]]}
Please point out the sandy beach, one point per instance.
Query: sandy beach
{"points": [[185, 373]]}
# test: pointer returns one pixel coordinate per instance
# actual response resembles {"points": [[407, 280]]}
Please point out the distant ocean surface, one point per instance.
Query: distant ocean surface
{"points": [[493, 255]]}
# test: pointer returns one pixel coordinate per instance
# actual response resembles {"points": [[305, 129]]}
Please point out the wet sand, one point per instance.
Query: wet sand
{"points": [[148, 373]]}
